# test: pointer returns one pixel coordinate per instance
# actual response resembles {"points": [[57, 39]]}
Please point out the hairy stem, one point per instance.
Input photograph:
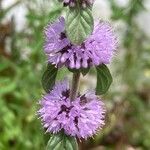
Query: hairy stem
{"points": [[75, 85]]}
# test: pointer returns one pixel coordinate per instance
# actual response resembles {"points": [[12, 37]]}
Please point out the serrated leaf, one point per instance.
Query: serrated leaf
{"points": [[79, 24], [49, 77], [61, 141], [104, 79]]}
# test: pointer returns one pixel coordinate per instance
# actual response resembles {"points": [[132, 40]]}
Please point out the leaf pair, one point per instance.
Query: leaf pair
{"points": [[104, 78]]}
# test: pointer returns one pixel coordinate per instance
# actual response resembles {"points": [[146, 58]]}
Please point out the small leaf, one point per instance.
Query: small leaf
{"points": [[79, 24], [61, 141], [104, 79], [49, 76]]}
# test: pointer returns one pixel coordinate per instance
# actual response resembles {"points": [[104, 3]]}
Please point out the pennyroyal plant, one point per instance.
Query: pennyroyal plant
{"points": [[78, 44]]}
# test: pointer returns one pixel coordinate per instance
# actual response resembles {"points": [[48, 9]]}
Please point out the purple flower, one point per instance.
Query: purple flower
{"points": [[97, 49], [55, 39], [80, 118]]}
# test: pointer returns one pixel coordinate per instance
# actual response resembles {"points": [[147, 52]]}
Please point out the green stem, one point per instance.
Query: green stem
{"points": [[75, 85]]}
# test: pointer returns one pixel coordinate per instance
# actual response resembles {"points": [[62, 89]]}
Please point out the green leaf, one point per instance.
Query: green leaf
{"points": [[79, 24], [49, 77], [104, 79], [61, 141]]}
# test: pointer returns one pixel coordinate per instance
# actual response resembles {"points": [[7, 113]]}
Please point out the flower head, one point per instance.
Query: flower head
{"points": [[79, 118], [98, 48]]}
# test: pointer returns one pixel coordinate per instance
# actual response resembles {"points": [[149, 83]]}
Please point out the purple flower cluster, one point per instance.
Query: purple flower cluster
{"points": [[97, 49], [79, 118], [72, 3]]}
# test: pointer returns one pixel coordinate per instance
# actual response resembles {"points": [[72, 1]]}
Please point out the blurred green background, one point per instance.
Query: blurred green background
{"points": [[22, 62]]}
